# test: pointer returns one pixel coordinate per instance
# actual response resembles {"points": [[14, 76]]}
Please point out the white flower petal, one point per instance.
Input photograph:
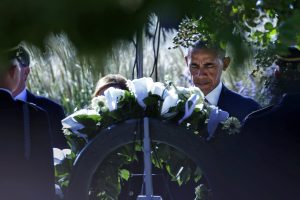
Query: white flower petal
{"points": [[96, 101], [159, 89], [113, 95], [66, 152], [58, 156], [196, 90], [141, 88], [170, 101]]}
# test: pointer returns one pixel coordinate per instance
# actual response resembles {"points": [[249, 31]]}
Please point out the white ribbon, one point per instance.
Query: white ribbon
{"points": [[189, 110], [70, 123], [60, 154], [215, 117]]}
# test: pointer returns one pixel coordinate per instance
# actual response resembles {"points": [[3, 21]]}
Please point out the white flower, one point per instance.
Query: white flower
{"points": [[169, 102], [216, 116], [183, 91], [187, 92], [197, 91], [159, 89], [140, 88], [232, 125], [59, 155], [98, 102], [200, 106], [113, 96]]}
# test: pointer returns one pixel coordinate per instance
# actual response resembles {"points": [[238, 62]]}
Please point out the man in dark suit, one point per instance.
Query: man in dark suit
{"points": [[26, 170], [54, 110], [206, 65]]}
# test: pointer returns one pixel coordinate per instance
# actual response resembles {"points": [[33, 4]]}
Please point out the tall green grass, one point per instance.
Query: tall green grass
{"points": [[62, 74]]}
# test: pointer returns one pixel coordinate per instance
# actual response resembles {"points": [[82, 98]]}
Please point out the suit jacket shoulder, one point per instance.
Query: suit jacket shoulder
{"points": [[32, 177], [55, 113], [237, 105], [43, 102]]}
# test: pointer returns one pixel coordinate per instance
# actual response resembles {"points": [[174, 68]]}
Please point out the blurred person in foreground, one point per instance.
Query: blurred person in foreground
{"points": [[273, 135], [54, 110], [262, 161], [26, 168], [206, 64]]}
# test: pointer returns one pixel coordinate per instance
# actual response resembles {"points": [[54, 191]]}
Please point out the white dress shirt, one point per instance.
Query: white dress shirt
{"points": [[22, 95], [214, 95]]}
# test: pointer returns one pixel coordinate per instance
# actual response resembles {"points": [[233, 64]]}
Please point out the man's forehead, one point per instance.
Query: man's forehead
{"points": [[204, 54]]}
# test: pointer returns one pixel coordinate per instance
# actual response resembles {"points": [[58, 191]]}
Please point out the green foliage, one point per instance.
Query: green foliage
{"points": [[203, 193], [61, 74], [90, 123], [260, 25], [106, 183], [122, 105]]}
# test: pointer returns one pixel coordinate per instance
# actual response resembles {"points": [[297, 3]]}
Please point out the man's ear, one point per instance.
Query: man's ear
{"points": [[226, 62], [26, 72], [12, 71], [186, 60]]}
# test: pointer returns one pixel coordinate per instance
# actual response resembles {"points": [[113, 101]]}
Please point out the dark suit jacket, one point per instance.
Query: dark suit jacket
{"points": [[262, 161], [56, 114], [24, 178], [237, 105], [270, 142]]}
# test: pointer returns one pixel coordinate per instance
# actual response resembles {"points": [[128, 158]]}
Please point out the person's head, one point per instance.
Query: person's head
{"points": [[206, 65], [24, 59], [288, 76], [110, 80], [10, 71]]}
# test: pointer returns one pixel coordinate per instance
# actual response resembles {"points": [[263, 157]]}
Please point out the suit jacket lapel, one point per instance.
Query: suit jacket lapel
{"points": [[30, 97], [222, 98]]}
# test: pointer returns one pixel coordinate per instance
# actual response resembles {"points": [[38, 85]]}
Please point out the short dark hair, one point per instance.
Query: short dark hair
{"points": [[205, 44], [288, 79], [21, 55], [9, 56]]}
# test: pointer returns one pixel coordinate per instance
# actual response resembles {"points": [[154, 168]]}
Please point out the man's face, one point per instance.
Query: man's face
{"points": [[24, 71], [205, 68], [15, 77]]}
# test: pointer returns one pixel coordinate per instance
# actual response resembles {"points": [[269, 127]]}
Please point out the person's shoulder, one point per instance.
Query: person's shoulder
{"points": [[241, 98], [31, 106], [259, 113], [43, 101]]}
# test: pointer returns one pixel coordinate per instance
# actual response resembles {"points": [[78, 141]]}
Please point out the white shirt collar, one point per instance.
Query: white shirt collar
{"points": [[214, 95], [22, 95]]}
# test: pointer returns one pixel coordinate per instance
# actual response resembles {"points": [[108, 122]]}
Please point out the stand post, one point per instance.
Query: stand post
{"points": [[147, 165]]}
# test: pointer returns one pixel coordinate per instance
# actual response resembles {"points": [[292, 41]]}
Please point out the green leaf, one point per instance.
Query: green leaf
{"points": [[124, 174], [197, 174], [185, 174], [268, 26], [88, 120]]}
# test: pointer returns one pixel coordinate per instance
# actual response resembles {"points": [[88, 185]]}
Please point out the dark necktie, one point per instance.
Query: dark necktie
{"points": [[207, 101]]}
